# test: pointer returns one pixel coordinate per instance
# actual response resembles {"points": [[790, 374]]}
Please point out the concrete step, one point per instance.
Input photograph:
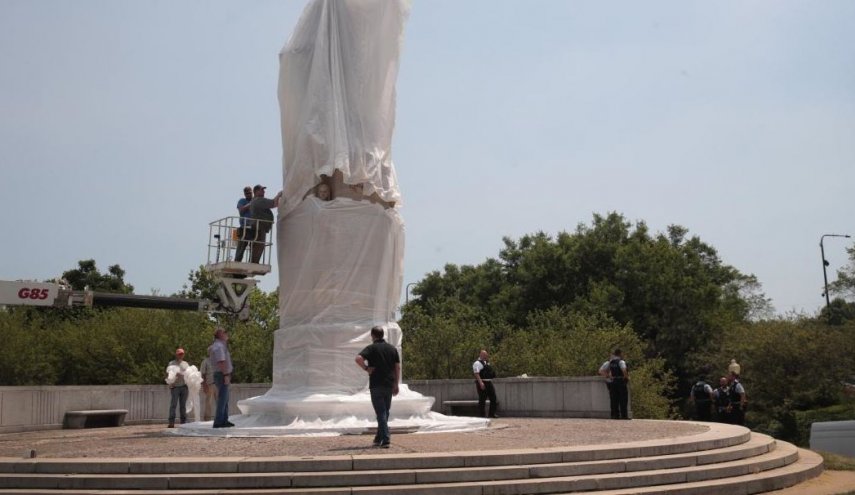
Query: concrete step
{"points": [[809, 465], [627, 476], [718, 437], [510, 467]]}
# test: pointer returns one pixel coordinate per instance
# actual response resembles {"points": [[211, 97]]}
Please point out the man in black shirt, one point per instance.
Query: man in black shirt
{"points": [[259, 209], [383, 365]]}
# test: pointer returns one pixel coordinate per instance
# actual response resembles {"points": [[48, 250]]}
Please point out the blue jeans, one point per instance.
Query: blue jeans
{"points": [[179, 398], [381, 399], [221, 416]]}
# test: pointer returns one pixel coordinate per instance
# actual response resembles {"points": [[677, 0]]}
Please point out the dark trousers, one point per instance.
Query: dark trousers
{"points": [[221, 416], [381, 399], [245, 234], [736, 416], [702, 410], [179, 398], [619, 399], [258, 241], [488, 392]]}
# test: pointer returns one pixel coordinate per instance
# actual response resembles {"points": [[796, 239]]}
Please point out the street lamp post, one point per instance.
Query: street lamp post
{"points": [[407, 292], [825, 264]]}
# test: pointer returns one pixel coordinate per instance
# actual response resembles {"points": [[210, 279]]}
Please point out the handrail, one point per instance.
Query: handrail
{"points": [[239, 239]]}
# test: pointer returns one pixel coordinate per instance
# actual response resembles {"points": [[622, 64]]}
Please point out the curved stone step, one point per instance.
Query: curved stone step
{"points": [[719, 436], [509, 469], [809, 465], [408, 483]]}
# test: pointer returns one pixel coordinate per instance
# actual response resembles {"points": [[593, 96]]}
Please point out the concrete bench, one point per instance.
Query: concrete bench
{"points": [[462, 407], [99, 418]]}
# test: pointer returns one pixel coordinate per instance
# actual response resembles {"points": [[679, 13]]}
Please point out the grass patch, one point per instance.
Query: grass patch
{"points": [[838, 462]]}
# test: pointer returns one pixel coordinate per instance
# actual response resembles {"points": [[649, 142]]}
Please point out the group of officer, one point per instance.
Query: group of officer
{"points": [[728, 401]]}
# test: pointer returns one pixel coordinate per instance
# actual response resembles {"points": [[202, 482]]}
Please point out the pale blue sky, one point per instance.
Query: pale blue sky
{"points": [[125, 127]]}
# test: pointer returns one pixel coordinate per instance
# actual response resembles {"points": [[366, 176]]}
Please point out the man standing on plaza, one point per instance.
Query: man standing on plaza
{"points": [[207, 369], [702, 397], [484, 375], [738, 400], [219, 355], [177, 387], [617, 379], [383, 365]]}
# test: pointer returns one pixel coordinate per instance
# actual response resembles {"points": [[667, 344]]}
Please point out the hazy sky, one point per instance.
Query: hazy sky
{"points": [[125, 127]]}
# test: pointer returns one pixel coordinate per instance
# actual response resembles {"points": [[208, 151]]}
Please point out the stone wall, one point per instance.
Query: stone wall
{"points": [[551, 397], [43, 407], [36, 408]]}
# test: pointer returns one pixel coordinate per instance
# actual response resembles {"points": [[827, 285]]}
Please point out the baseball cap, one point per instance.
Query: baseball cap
{"points": [[257, 187]]}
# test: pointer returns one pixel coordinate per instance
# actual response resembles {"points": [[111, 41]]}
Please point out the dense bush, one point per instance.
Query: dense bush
{"points": [[789, 367], [125, 346], [554, 342]]}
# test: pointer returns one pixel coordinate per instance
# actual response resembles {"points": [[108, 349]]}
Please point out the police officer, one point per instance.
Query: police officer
{"points": [[617, 379], [738, 400], [484, 375], [721, 401], [702, 397]]}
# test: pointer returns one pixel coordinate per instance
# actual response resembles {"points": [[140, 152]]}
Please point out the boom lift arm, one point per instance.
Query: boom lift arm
{"points": [[234, 278]]}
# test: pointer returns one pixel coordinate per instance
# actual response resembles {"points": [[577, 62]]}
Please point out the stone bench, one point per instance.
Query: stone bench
{"points": [[462, 407], [98, 418]]}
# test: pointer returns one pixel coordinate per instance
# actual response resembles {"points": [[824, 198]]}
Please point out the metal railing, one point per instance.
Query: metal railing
{"points": [[245, 240]]}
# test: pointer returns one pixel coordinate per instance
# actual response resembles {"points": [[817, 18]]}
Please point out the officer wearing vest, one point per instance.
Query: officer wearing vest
{"points": [[484, 375], [617, 379], [738, 401], [721, 401], [702, 397]]}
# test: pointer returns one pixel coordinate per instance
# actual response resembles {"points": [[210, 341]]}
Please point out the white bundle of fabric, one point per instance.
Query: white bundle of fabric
{"points": [[193, 380]]}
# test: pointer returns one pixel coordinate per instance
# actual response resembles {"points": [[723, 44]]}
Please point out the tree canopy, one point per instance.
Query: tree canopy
{"points": [[86, 275], [82, 346], [673, 290]]}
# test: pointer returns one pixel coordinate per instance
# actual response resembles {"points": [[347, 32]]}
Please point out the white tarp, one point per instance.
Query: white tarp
{"points": [[340, 260], [337, 96]]}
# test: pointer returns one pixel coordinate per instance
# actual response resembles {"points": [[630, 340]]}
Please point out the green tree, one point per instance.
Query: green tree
{"points": [[844, 286], [127, 345], [838, 312], [86, 275], [672, 290], [442, 343], [203, 285], [788, 366]]}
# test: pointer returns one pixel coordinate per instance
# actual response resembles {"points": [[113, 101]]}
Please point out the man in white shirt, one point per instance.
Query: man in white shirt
{"points": [[207, 370], [484, 375], [218, 353], [617, 378]]}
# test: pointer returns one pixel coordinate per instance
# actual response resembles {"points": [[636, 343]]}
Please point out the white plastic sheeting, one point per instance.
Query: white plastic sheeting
{"points": [[340, 261], [193, 380], [337, 96]]}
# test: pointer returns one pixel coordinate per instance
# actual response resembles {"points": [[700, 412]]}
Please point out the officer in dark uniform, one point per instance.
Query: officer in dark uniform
{"points": [[484, 375], [721, 401], [738, 400], [702, 397], [617, 378]]}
